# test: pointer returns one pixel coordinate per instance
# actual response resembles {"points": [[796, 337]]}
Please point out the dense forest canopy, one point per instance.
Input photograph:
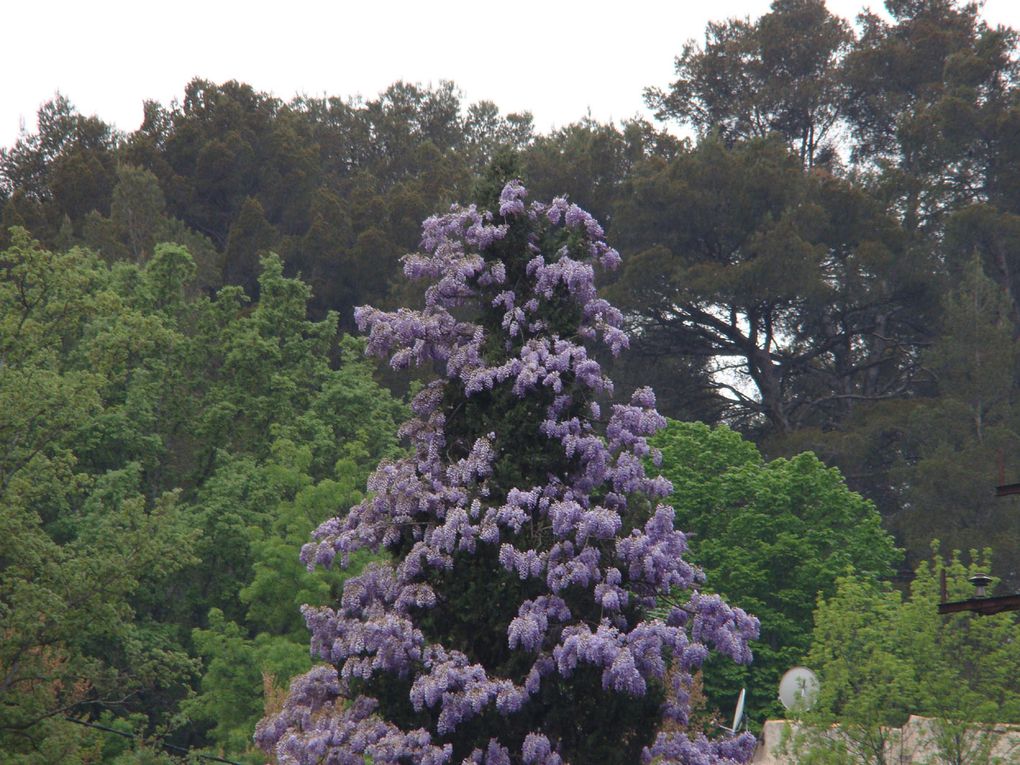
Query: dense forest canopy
{"points": [[828, 261]]}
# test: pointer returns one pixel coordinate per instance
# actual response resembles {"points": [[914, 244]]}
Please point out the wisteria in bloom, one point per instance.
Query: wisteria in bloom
{"points": [[525, 545]]}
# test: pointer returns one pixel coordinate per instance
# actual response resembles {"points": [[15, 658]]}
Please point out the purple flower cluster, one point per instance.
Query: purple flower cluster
{"points": [[572, 535], [670, 748], [511, 200], [319, 725]]}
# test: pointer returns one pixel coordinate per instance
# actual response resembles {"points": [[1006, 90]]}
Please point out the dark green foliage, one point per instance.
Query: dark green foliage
{"points": [[250, 237], [589, 162], [338, 187], [777, 75], [952, 443], [65, 170], [928, 95], [797, 282], [137, 209]]}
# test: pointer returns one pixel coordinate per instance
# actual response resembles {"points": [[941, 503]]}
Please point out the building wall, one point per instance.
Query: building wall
{"points": [[913, 744]]}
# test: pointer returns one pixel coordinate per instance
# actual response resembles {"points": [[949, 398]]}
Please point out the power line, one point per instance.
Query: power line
{"points": [[164, 744]]}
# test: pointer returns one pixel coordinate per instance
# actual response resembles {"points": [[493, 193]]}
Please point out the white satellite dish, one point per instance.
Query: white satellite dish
{"points": [[798, 689], [738, 715]]}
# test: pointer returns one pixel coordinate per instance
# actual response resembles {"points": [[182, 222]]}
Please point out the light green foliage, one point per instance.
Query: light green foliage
{"points": [[163, 457], [882, 657], [78, 547], [771, 536], [236, 668], [267, 644], [969, 665], [281, 583], [275, 419], [296, 439], [861, 651], [265, 366]]}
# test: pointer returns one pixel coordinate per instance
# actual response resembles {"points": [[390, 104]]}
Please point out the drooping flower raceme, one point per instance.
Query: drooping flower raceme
{"points": [[527, 544]]}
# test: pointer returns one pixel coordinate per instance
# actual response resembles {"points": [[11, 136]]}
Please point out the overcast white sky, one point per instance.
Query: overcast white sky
{"points": [[556, 58]]}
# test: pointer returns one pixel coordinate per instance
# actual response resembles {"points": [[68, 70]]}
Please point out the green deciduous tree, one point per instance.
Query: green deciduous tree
{"points": [[80, 544], [771, 536], [256, 515], [161, 453], [881, 658], [249, 657]]}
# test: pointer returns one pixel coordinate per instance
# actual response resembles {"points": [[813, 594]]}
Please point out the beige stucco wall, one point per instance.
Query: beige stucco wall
{"points": [[912, 744]]}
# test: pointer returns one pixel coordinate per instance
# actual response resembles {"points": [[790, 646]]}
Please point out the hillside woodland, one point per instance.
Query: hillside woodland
{"points": [[819, 276]]}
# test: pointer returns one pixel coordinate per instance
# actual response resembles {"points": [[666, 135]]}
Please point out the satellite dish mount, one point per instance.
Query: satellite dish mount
{"points": [[738, 714]]}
